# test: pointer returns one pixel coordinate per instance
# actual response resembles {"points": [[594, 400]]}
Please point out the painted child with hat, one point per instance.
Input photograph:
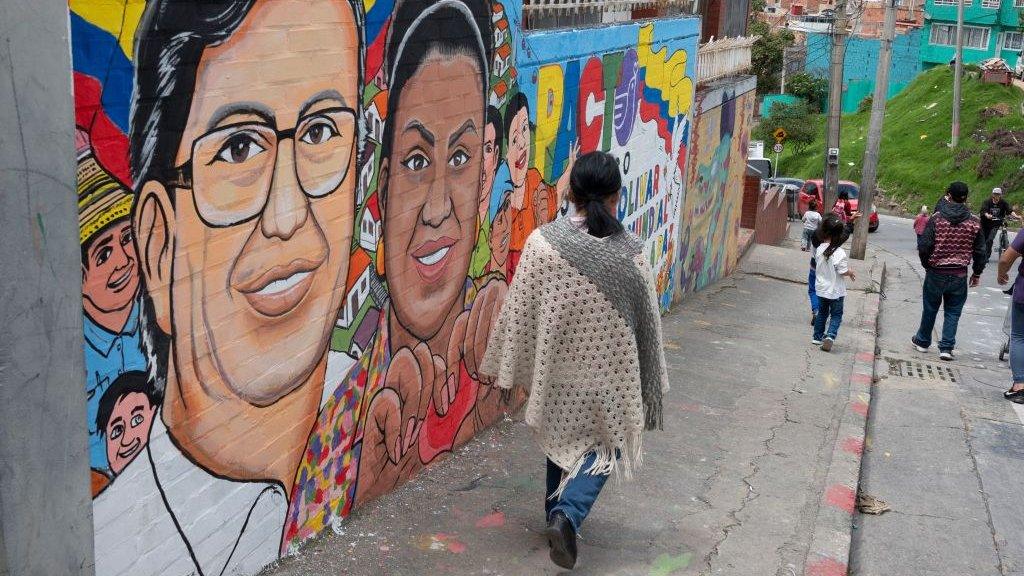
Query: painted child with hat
{"points": [[110, 290]]}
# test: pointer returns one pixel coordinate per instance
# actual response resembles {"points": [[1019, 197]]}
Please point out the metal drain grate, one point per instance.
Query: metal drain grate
{"points": [[912, 369]]}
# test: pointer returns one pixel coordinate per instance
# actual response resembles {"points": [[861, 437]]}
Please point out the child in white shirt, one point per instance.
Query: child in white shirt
{"points": [[812, 218], [833, 267]]}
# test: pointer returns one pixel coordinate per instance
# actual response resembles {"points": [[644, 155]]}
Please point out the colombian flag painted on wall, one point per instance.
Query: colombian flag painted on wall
{"points": [[102, 43]]}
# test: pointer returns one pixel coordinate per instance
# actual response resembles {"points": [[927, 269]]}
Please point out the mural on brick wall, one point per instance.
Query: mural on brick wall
{"points": [[631, 95], [298, 222], [714, 197]]}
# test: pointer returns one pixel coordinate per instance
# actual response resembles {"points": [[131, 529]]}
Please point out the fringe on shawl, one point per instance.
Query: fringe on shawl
{"points": [[651, 397], [629, 461]]}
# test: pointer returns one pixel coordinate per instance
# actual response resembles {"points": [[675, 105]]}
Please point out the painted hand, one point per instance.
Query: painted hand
{"points": [[445, 390], [394, 420], [482, 317], [468, 342]]}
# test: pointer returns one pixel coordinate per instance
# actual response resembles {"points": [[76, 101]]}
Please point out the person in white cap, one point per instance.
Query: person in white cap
{"points": [[994, 211]]}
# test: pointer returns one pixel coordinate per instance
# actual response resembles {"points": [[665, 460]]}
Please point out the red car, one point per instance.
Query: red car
{"points": [[811, 190]]}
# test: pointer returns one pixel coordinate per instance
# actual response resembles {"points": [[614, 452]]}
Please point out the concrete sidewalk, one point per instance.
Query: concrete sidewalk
{"points": [[734, 485]]}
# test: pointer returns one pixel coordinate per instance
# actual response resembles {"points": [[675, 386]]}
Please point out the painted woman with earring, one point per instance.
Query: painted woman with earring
{"points": [[433, 331]]}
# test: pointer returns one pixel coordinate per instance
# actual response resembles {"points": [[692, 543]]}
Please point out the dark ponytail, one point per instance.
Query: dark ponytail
{"points": [[834, 231], [595, 178]]}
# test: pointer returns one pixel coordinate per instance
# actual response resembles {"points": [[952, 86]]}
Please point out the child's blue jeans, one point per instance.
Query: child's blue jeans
{"points": [[811, 292], [830, 311]]}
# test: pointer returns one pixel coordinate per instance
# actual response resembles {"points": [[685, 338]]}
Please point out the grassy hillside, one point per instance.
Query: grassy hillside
{"points": [[916, 163]]}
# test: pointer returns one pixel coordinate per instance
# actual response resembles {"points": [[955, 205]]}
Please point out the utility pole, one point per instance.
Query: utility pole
{"points": [[835, 105], [958, 72], [782, 87], [870, 174]]}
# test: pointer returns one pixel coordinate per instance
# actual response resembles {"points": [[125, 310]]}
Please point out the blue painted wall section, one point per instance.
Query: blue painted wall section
{"points": [[861, 59]]}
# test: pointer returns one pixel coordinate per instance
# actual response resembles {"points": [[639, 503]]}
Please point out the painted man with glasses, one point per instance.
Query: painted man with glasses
{"points": [[243, 150]]}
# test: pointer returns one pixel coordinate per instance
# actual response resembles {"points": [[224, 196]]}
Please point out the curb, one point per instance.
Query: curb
{"points": [[829, 552]]}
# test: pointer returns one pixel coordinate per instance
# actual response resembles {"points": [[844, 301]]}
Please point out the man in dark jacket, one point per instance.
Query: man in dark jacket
{"points": [[994, 210], [952, 241]]}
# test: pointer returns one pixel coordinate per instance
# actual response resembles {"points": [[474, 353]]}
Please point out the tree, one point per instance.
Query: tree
{"points": [[795, 119], [813, 89]]}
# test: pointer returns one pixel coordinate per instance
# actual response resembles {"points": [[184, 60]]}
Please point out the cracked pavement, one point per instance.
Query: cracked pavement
{"points": [[732, 486], [946, 456]]}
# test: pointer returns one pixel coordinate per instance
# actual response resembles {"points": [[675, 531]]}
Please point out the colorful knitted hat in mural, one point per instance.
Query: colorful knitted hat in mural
{"points": [[101, 198]]}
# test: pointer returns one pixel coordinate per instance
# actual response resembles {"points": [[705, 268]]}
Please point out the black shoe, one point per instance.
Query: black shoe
{"points": [[1015, 397], [562, 540]]}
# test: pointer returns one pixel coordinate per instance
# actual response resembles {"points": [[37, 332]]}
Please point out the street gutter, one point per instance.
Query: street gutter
{"points": [[829, 551]]}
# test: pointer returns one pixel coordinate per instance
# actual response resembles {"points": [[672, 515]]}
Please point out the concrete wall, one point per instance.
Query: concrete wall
{"points": [[274, 339], [709, 236], [45, 518], [861, 59]]}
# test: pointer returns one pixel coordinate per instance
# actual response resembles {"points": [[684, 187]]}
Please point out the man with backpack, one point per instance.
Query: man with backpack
{"points": [[953, 240]]}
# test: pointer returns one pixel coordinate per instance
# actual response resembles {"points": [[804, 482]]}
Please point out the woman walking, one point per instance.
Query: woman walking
{"points": [[1016, 392], [581, 331]]}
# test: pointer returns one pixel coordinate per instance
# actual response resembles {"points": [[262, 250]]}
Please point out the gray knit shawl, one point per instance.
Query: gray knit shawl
{"points": [[580, 330], [609, 264]]}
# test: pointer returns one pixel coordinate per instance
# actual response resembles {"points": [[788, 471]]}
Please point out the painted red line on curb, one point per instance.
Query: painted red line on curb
{"points": [[860, 408], [860, 378], [853, 445], [825, 567], [841, 497], [866, 357]]}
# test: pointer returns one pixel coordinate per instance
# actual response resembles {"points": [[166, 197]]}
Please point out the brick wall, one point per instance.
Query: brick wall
{"points": [[717, 161], [257, 314], [772, 221], [751, 201]]}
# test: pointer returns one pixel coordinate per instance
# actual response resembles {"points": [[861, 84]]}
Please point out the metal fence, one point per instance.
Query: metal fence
{"points": [[723, 58]]}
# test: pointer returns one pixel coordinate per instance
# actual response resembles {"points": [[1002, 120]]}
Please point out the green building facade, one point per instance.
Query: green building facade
{"points": [[991, 28]]}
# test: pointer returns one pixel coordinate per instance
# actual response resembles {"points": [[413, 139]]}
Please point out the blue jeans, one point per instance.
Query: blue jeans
{"points": [[830, 311], [811, 293], [950, 292], [578, 497], [1017, 342]]}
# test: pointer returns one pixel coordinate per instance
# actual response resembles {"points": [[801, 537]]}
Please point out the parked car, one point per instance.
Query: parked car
{"points": [[811, 190]]}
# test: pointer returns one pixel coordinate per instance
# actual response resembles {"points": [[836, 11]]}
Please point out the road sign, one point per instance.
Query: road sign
{"points": [[778, 148], [780, 134]]}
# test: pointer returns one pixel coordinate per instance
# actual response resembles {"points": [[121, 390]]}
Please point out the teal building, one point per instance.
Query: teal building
{"points": [[991, 28]]}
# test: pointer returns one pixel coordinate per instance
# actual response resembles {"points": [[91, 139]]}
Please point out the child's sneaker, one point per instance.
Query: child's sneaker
{"points": [[826, 346], [816, 342]]}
